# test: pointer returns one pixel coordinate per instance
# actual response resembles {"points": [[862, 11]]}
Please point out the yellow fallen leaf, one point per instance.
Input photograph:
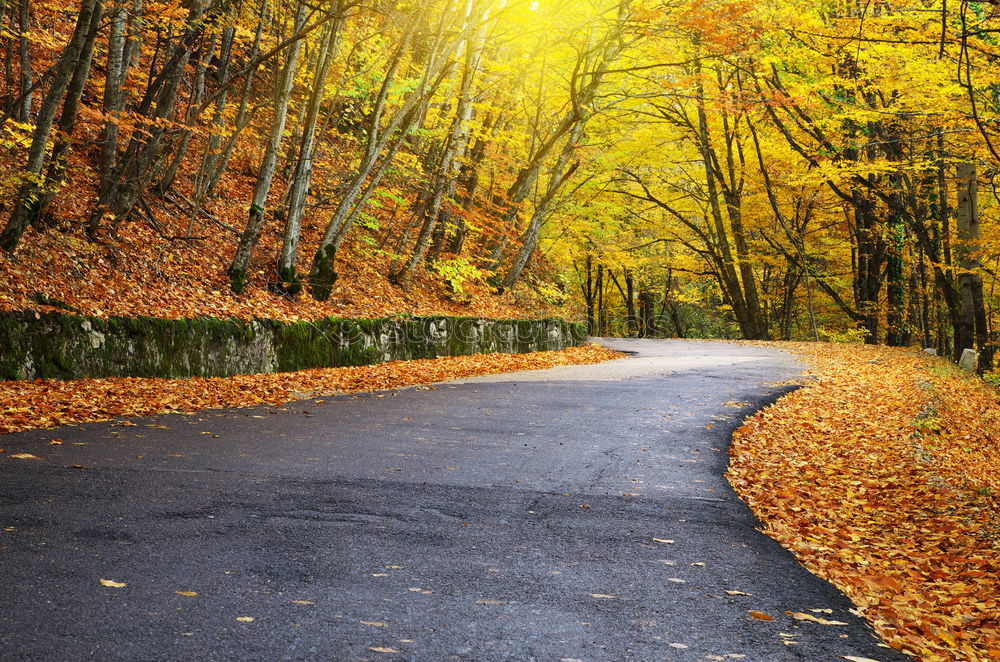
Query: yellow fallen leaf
{"points": [[110, 583], [604, 596], [24, 456], [245, 619], [855, 658], [736, 593], [381, 649], [760, 616], [799, 616], [302, 602], [187, 594], [665, 541]]}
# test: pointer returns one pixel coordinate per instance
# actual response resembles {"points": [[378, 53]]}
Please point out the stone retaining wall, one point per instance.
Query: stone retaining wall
{"points": [[57, 346]]}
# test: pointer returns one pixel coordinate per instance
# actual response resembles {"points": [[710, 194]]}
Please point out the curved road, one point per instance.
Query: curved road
{"points": [[578, 513]]}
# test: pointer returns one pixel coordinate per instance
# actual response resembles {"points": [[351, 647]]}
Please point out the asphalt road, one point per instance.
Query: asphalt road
{"points": [[578, 513]]}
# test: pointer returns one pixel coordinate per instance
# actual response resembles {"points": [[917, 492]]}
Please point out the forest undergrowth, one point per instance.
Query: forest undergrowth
{"points": [[882, 475]]}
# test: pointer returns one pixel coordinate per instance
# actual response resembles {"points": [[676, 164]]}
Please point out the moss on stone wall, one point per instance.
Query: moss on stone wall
{"points": [[58, 346]]}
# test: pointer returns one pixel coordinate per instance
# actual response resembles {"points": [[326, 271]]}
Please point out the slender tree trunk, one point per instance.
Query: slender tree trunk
{"points": [[67, 120], [113, 97], [970, 280], [729, 278], [323, 274], [255, 222], [26, 97], [446, 172], [27, 195], [198, 91], [559, 176], [213, 168], [303, 170]]}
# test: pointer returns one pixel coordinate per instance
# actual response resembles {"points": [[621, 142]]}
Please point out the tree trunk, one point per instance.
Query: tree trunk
{"points": [[69, 61], [323, 274], [302, 178], [67, 120], [237, 270], [25, 97], [973, 311], [446, 172], [559, 176]]}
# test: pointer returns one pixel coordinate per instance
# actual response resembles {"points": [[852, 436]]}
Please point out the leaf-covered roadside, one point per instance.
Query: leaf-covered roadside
{"points": [[882, 476], [49, 403]]}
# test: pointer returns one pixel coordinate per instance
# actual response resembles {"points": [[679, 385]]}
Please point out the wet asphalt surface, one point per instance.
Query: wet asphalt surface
{"points": [[572, 514]]}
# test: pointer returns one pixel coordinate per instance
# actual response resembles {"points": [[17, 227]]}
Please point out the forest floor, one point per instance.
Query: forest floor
{"points": [[139, 272], [883, 476]]}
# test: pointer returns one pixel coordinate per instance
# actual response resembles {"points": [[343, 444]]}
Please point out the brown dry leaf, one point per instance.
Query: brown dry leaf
{"points": [[110, 583], [760, 616]]}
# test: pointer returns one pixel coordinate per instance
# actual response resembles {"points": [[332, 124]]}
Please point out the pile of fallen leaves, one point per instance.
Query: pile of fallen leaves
{"points": [[48, 403], [882, 476]]}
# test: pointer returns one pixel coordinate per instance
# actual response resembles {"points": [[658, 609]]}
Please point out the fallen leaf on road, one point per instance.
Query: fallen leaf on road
{"points": [[603, 596], [760, 616], [736, 593], [302, 602], [491, 602], [679, 646], [187, 594], [665, 541], [799, 616], [110, 583], [855, 658], [381, 649], [375, 624], [245, 619], [24, 456]]}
